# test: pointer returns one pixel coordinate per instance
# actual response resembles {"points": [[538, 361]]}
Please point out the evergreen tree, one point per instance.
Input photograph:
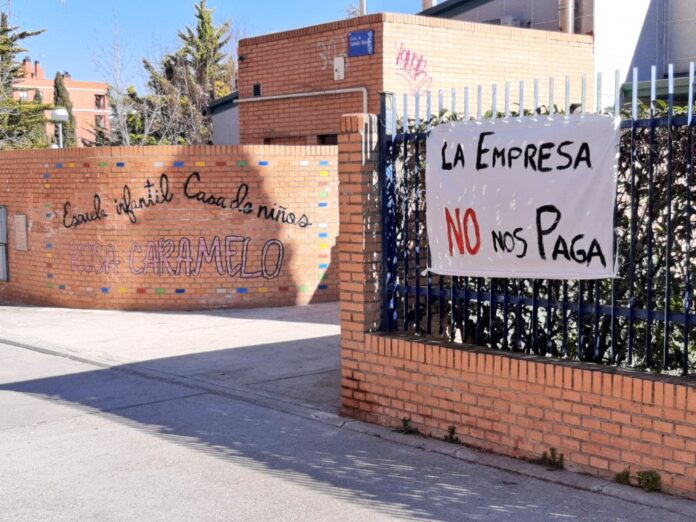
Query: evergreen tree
{"points": [[21, 123], [203, 53], [61, 98]]}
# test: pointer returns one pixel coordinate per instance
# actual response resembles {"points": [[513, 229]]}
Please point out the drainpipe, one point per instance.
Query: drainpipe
{"points": [[427, 4], [566, 16], [362, 90]]}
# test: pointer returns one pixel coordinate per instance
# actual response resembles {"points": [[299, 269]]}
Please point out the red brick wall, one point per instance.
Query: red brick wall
{"points": [[412, 53], [602, 420], [155, 257], [301, 61]]}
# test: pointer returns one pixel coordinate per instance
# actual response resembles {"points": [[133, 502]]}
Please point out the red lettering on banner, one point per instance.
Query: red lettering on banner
{"points": [[461, 230]]}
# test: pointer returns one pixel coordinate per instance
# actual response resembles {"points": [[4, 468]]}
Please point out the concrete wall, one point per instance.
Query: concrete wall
{"points": [[412, 54], [120, 227]]}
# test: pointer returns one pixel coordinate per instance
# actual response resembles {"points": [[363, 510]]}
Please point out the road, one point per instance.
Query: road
{"points": [[96, 441]]}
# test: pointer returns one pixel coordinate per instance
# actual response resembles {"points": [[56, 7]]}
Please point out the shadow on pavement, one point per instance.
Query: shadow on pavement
{"points": [[388, 478]]}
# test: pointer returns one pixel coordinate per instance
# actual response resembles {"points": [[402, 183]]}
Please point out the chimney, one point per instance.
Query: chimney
{"points": [[363, 7], [427, 4], [39, 73], [26, 66]]}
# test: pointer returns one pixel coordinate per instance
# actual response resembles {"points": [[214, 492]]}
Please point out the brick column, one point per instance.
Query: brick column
{"points": [[359, 247]]}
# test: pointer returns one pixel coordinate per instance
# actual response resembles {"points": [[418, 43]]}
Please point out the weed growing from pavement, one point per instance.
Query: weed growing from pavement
{"points": [[451, 434], [552, 459]]}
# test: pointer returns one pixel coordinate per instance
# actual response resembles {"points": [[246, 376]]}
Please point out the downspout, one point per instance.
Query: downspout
{"points": [[566, 16], [362, 90]]}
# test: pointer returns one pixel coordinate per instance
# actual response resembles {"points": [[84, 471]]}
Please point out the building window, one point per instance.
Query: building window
{"points": [[100, 101], [328, 139], [23, 95], [99, 121]]}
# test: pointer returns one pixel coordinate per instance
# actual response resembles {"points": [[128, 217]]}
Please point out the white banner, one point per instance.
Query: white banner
{"points": [[523, 198]]}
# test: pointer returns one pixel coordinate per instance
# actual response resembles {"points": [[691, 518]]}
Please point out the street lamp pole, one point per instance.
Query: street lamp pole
{"points": [[59, 115]]}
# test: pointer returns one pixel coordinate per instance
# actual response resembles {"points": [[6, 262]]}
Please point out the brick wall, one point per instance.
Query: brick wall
{"points": [[412, 54], [602, 420], [301, 61], [87, 247]]}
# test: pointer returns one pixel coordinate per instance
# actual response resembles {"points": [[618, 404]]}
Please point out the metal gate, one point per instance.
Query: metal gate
{"points": [[644, 319]]}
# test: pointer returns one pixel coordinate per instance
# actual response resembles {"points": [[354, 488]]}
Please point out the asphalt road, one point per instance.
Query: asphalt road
{"points": [[80, 441]]}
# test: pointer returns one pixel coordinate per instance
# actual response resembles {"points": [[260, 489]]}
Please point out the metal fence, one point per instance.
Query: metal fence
{"points": [[643, 319]]}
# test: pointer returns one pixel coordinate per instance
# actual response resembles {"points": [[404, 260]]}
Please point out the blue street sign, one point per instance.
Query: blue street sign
{"points": [[361, 43]]}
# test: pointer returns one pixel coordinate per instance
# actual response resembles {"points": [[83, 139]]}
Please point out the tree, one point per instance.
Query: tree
{"points": [[181, 85], [61, 98], [203, 53], [21, 122]]}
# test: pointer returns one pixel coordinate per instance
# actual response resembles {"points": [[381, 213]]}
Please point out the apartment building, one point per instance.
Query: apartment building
{"points": [[89, 99]]}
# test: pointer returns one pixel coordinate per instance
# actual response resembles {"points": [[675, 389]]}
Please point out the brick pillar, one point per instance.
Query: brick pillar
{"points": [[359, 247]]}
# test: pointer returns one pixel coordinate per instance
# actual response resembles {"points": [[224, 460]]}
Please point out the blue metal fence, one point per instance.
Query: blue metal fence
{"points": [[643, 319]]}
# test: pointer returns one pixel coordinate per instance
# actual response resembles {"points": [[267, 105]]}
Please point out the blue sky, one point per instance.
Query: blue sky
{"points": [[78, 31]]}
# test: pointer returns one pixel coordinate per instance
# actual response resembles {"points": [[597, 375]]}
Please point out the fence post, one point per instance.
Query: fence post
{"points": [[359, 245]]}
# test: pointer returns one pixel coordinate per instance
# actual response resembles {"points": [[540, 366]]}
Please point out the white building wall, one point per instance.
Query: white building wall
{"points": [[628, 33], [226, 127]]}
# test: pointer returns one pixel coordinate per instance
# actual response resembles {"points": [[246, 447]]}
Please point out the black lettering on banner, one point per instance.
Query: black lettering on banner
{"points": [[480, 151], [567, 156], [541, 231]]}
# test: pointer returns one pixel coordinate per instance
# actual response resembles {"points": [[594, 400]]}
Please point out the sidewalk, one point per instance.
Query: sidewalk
{"points": [[288, 354], [286, 359]]}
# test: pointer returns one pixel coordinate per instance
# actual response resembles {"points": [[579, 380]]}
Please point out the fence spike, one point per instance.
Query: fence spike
{"points": [[634, 94]]}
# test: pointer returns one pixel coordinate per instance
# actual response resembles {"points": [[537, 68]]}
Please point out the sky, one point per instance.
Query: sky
{"points": [[80, 33]]}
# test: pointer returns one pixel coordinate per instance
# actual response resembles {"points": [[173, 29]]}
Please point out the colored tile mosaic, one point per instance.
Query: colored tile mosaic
{"points": [[304, 163], [59, 165], [120, 164], [323, 234], [160, 291], [104, 290], [324, 266], [242, 163], [200, 164], [323, 287], [158, 164], [179, 164], [242, 290], [103, 164], [263, 164], [180, 291], [47, 175], [323, 204], [324, 163], [324, 173]]}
